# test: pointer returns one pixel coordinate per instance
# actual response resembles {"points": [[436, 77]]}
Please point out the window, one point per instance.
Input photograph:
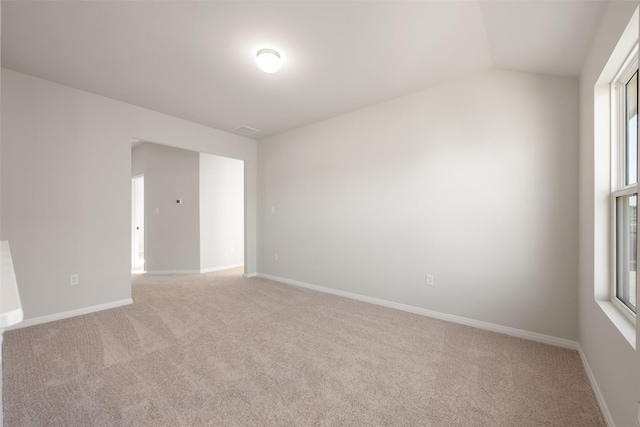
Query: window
{"points": [[624, 195]]}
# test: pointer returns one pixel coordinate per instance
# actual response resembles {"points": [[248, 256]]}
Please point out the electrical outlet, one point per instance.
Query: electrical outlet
{"points": [[74, 279], [429, 279]]}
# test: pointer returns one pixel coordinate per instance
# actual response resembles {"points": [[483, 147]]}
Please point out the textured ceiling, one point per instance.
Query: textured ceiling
{"points": [[195, 60]]}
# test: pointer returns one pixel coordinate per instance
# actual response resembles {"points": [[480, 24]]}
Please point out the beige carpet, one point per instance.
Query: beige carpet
{"points": [[221, 350]]}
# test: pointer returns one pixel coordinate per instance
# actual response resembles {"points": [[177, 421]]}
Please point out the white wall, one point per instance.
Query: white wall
{"points": [[473, 181], [66, 188], [172, 230], [139, 159], [221, 212], [611, 358], [1, 410]]}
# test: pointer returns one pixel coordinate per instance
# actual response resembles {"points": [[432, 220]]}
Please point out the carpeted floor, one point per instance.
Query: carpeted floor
{"points": [[221, 350]]}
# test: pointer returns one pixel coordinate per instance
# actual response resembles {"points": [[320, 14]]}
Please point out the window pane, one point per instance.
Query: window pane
{"points": [[626, 219], [631, 123]]}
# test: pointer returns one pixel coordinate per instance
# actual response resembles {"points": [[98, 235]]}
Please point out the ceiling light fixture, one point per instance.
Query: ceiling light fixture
{"points": [[268, 60]]}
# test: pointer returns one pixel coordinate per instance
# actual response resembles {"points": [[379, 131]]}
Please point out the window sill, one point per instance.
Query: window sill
{"points": [[626, 327]]}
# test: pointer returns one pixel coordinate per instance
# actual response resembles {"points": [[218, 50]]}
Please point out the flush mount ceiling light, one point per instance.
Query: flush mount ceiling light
{"points": [[268, 60]]}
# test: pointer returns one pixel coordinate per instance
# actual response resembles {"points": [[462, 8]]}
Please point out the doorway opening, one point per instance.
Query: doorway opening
{"points": [[137, 222], [188, 211]]}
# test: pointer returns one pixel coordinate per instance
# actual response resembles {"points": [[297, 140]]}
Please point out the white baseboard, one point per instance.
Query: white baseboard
{"points": [[250, 275], [224, 267], [532, 336], [66, 314], [606, 414], [173, 271]]}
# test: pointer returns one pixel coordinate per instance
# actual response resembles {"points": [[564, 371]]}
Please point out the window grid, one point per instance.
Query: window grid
{"points": [[624, 195]]}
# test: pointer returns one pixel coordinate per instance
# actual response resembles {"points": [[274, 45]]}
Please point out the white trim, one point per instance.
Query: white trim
{"points": [[72, 313], [627, 191], [532, 336], [606, 414], [618, 86], [224, 267], [622, 323], [613, 290], [173, 272], [250, 275]]}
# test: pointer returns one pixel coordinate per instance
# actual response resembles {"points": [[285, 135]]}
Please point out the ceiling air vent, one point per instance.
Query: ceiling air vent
{"points": [[245, 130]]}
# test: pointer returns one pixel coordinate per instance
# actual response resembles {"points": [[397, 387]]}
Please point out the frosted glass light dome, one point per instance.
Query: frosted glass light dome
{"points": [[268, 60]]}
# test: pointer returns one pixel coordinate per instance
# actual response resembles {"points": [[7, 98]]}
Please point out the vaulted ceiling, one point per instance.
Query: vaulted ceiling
{"points": [[196, 60]]}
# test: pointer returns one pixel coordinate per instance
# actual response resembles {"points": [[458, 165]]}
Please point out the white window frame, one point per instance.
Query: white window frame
{"points": [[618, 187]]}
